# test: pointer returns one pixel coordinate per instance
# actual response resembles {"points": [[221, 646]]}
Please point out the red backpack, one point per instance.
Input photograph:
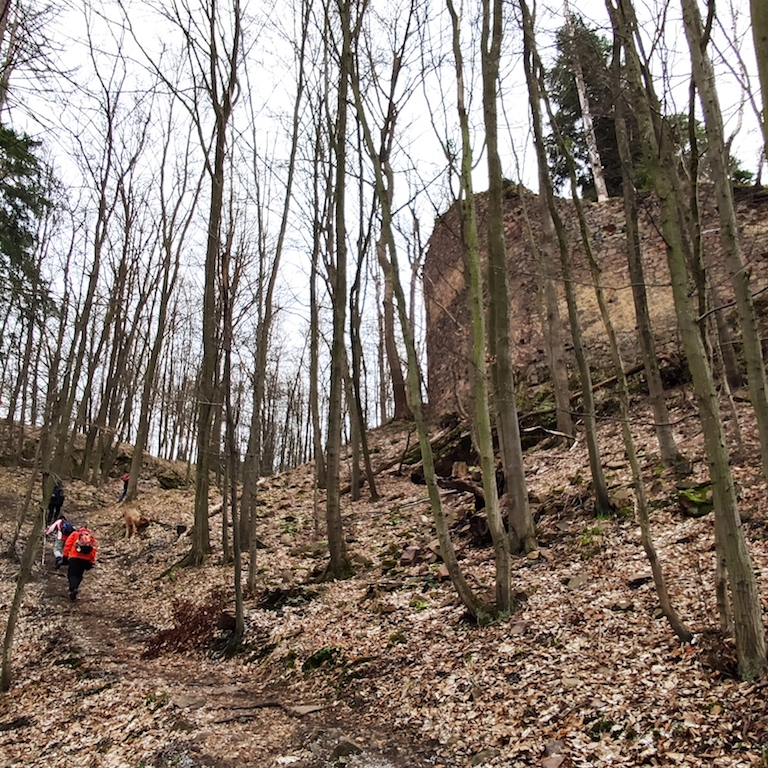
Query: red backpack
{"points": [[86, 542]]}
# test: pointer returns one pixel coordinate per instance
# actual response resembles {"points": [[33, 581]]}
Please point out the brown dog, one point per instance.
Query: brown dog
{"points": [[135, 522]]}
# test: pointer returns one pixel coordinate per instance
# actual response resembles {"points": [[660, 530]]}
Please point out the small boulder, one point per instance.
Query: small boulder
{"points": [[638, 579], [410, 556]]}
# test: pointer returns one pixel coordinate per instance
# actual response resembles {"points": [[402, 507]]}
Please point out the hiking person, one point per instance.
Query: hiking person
{"points": [[80, 555], [62, 528], [55, 504], [126, 478]]}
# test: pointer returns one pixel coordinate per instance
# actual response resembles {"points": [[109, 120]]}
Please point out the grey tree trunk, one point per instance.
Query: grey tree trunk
{"points": [[533, 67], [664, 435], [747, 612], [717, 152], [522, 531]]}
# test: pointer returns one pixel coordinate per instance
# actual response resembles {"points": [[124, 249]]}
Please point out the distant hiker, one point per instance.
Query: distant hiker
{"points": [[126, 478], [63, 529], [55, 503], [80, 554]]}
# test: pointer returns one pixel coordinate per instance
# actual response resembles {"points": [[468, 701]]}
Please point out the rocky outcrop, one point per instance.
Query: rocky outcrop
{"points": [[447, 317]]}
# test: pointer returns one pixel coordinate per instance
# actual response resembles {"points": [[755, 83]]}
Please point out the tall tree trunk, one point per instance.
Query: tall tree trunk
{"points": [[222, 105], [413, 374], [533, 67], [664, 435], [339, 566], [264, 331], [729, 534], [522, 531], [480, 379], [174, 225], [717, 152]]}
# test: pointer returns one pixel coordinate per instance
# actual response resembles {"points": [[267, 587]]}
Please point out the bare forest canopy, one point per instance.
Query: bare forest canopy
{"points": [[214, 218]]}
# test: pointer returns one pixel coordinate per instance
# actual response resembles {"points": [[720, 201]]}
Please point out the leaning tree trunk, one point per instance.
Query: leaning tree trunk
{"points": [[413, 381], [664, 435], [660, 162], [629, 444], [533, 65], [25, 574], [717, 152]]}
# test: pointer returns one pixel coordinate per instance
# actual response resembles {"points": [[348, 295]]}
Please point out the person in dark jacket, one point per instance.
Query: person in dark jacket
{"points": [[55, 504], [80, 555], [126, 478]]}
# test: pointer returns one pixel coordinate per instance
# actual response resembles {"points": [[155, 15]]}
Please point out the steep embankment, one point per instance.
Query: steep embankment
{"points": [[383, 669]]}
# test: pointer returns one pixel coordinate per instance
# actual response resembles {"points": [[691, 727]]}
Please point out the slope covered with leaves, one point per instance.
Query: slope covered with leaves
{"points": [[384, 669]]}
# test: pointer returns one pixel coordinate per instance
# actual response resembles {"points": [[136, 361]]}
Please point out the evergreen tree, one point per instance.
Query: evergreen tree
{"points": [[592, 52], [22, 202]]}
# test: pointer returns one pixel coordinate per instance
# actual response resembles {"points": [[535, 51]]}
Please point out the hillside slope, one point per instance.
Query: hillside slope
{"points": [[384, 670]]}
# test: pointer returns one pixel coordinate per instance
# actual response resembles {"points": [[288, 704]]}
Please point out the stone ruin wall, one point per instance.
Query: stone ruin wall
{"points": [[448, 335]]}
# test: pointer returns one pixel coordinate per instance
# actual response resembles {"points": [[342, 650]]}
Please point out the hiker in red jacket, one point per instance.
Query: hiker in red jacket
{"points": [[80, 554]]}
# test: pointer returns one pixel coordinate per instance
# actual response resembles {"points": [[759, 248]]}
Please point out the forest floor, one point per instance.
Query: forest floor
{"points": [[383, 670]]}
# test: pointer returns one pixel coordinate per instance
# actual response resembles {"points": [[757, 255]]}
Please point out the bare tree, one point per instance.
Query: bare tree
{"points": [[532, 70], [669, 453], [659, 157], [522, 531], [480, 379], [717, 153], [339, 566], [175, 219], [268, 272]]}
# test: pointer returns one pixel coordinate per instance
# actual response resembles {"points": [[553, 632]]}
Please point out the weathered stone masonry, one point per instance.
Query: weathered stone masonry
{"points": [[444, 288]]}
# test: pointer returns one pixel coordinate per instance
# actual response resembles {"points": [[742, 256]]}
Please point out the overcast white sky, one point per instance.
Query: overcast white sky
{"points": [[271, 73]]}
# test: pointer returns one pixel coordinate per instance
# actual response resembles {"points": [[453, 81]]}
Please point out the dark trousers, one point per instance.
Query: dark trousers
{"points": [[54, 510], [77, 567]]}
